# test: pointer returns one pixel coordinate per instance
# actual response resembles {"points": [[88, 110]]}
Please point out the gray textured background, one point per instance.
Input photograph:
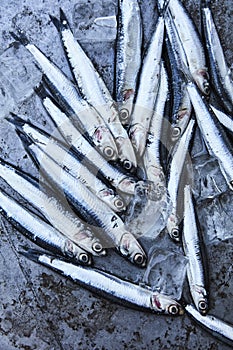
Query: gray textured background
{"points": [[41, 310]]}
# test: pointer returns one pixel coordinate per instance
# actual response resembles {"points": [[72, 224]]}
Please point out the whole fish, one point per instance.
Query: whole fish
{"points": [[219, 71], [90, 123], [187, 42], [175, 171], [213, 134], [109, 285], [43, 234], [192, 249], [128, 56], [212, 324], [53, 209], [147, 90], [94, 90], [107, 224]]}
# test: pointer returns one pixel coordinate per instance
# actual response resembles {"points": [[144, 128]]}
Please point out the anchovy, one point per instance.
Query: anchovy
{"points": [[85, 152], [192, 249], [86, 117], [128, 56], [188, 41], [182, 108], [175, 171], [217, 327], [56, 212], [90, 208], [36, 229], [212, 132], [94, 90], [219, 71], [109, 285], [147, 90]]}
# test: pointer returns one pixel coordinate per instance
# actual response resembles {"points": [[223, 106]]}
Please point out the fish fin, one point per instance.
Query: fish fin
{"points": [[20, 36], [56, 22], [29, 253], [16, 120], [41, 91]]}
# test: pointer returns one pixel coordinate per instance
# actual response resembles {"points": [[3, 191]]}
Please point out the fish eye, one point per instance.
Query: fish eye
{"points": [[127, 164], [173, 309], [202, 305], [119, 204], [124, 114], [84, 258], [139, 259], [175, 233], [176, 132], [109, 152], [206, 88], [97, 247]]}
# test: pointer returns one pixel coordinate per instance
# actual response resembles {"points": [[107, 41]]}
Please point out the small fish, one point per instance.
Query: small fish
{"points": [[147, 90], [213, 134], [217, 327], [85, 116], [109, 285], [101, 218], [188, 43], [175, 170], [94, 90], [219, 72], [53, 209], [192, 249], [128, 56], [36, 229]]}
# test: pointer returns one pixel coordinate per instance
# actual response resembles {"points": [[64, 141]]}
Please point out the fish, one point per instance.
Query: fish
{"points": [[191, 241], [87, 119], [174, 174], [94, 90], [109, 285], [213, 134], [128, 56], [147, 90], [219, 71], [217, 327], [121, 181], [51, 207], [188, 42], [40, 232], [100, 217]]}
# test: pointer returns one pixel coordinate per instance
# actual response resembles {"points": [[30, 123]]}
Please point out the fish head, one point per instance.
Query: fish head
{"points": [[201, 77], [103, 138], [138, 136], [199, 296], [112, 199], [126, 154], [164, 304], [130, 248], [72, 251], [173, 227]]}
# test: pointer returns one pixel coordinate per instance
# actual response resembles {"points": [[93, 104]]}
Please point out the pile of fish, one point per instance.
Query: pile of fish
{"points": [[111, 160]]}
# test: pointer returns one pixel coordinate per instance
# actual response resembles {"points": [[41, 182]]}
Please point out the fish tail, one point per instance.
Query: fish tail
{"points": [[64, 20], [31, 254], [163, 9], [205, 3], [41, 91], [21, 37], [56, 22], [15, 120]]}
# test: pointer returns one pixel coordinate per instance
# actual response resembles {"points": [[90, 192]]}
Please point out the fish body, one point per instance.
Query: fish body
{"points": [[192, 248], [39, 231], [128, 57], [110, 286], [219, 70], [94, 90], [53, 209]]}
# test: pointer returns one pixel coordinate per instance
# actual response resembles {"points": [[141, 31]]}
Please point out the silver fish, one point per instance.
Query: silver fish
{"points": [[175, 171], [39, 231], [147, 91], [192, 249], [219, 70], [86, 117], [212, 132], [128, 56], [95, 212], [189, 40], [109, 285], [55, 211], [94, 90], [217, 327]]}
